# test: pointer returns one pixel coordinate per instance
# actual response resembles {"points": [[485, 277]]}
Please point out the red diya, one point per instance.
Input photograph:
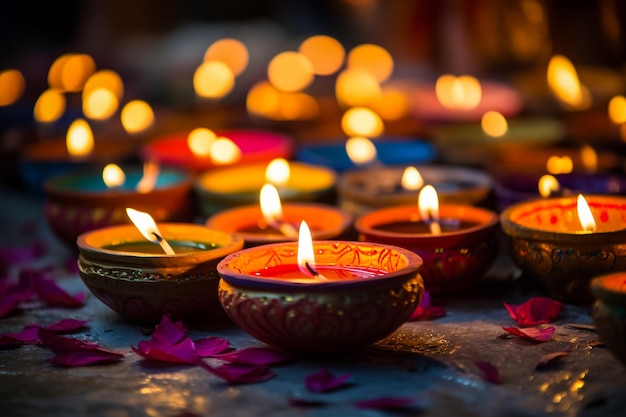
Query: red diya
{"points": [[456, 256], [271, 222], [254, 145], [323, 297], [563, 242]]}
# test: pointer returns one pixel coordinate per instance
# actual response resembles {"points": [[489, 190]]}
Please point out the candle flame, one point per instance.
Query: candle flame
{"points": [[113, 176], [584, 215], [360, 150], [79, 138], [150, 175], [563, 81], [494, 124], [547, 185], [412, 179], [277, 171], [428, 204], [464, 92], [306, 256], [148, 229], [362, 121], [270, 204], [200, 141], [224, 151]]}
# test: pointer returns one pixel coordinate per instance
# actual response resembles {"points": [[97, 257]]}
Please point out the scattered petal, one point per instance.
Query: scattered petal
{"points": [[324, 381], [550, 359], [255, 356], [426, 311], [210, 346], [537, 310], [66, 325], [14, 256], [49, 292], [489, 372], [74, 352], [385, 403], [169, 343], [29, 335], [535, 334], [239, 373]]}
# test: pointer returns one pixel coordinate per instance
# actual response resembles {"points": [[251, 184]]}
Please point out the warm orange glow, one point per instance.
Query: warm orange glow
{"points": [[559, 164], [50, 106], [585, 216], [360, 150], [356, 87], [113, 176], [137, 116], [325, 53], [107, 79], [148, 229], [200, 140], [428, 205], [290, 71], [277, 171], [360, 121], [262, 99], [589, 158], [617, 109], [412, 179], [99, 104], [270, 204], [149, 178], [224, 151], [296, 106], [306, 255], [213, 79], [371, 58], [464, 92], [564, 83], [231, 52], [494, 124], [547, 185], [12, 85], [393, 104], [622, 132], [69, 72], [79, 138]]}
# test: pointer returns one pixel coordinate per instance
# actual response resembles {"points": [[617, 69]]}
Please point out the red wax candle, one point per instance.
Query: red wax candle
{"points": [[292, 273]]}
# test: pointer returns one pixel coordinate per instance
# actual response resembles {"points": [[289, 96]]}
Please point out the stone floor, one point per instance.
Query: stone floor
{"points": [[432, 362]]}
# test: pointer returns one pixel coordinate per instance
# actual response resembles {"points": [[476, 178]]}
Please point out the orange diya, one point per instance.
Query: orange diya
{"points": [[458, 243], [320, 297]]}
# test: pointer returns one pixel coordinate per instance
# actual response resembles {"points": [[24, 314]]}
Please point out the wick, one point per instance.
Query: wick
{"points": [[164, 244], [435, 227], [314, 272], [285, 228]]}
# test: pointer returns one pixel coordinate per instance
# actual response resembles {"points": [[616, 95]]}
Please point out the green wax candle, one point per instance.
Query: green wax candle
{"points": [[179, 246]]}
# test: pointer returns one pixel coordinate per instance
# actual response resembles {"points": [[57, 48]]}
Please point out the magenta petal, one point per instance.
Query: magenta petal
{"points": [[28, 336], [426, 311], [537, 310], [49, 292], [74, 352], [385, 403], [537, 335], [324, 381], [14, 256], [66, 325], [304, 403], [255, 356], [549, 359], [8, 304], [489, 372], [210, 346], [239, 373], [169, 343]]}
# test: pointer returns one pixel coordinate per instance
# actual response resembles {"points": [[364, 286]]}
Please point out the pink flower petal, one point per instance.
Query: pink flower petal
{"points": [[74, 352], [29, 335], [324, 381], [549, 359], [49, 292], [426, 311], [489, 372], [8, 305], [14, 256], [385, 403], [255, 356], [239, 373], [537, 310], [534, 334], [304, 403], [210, 346], [66, 325], [169, 343]]}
